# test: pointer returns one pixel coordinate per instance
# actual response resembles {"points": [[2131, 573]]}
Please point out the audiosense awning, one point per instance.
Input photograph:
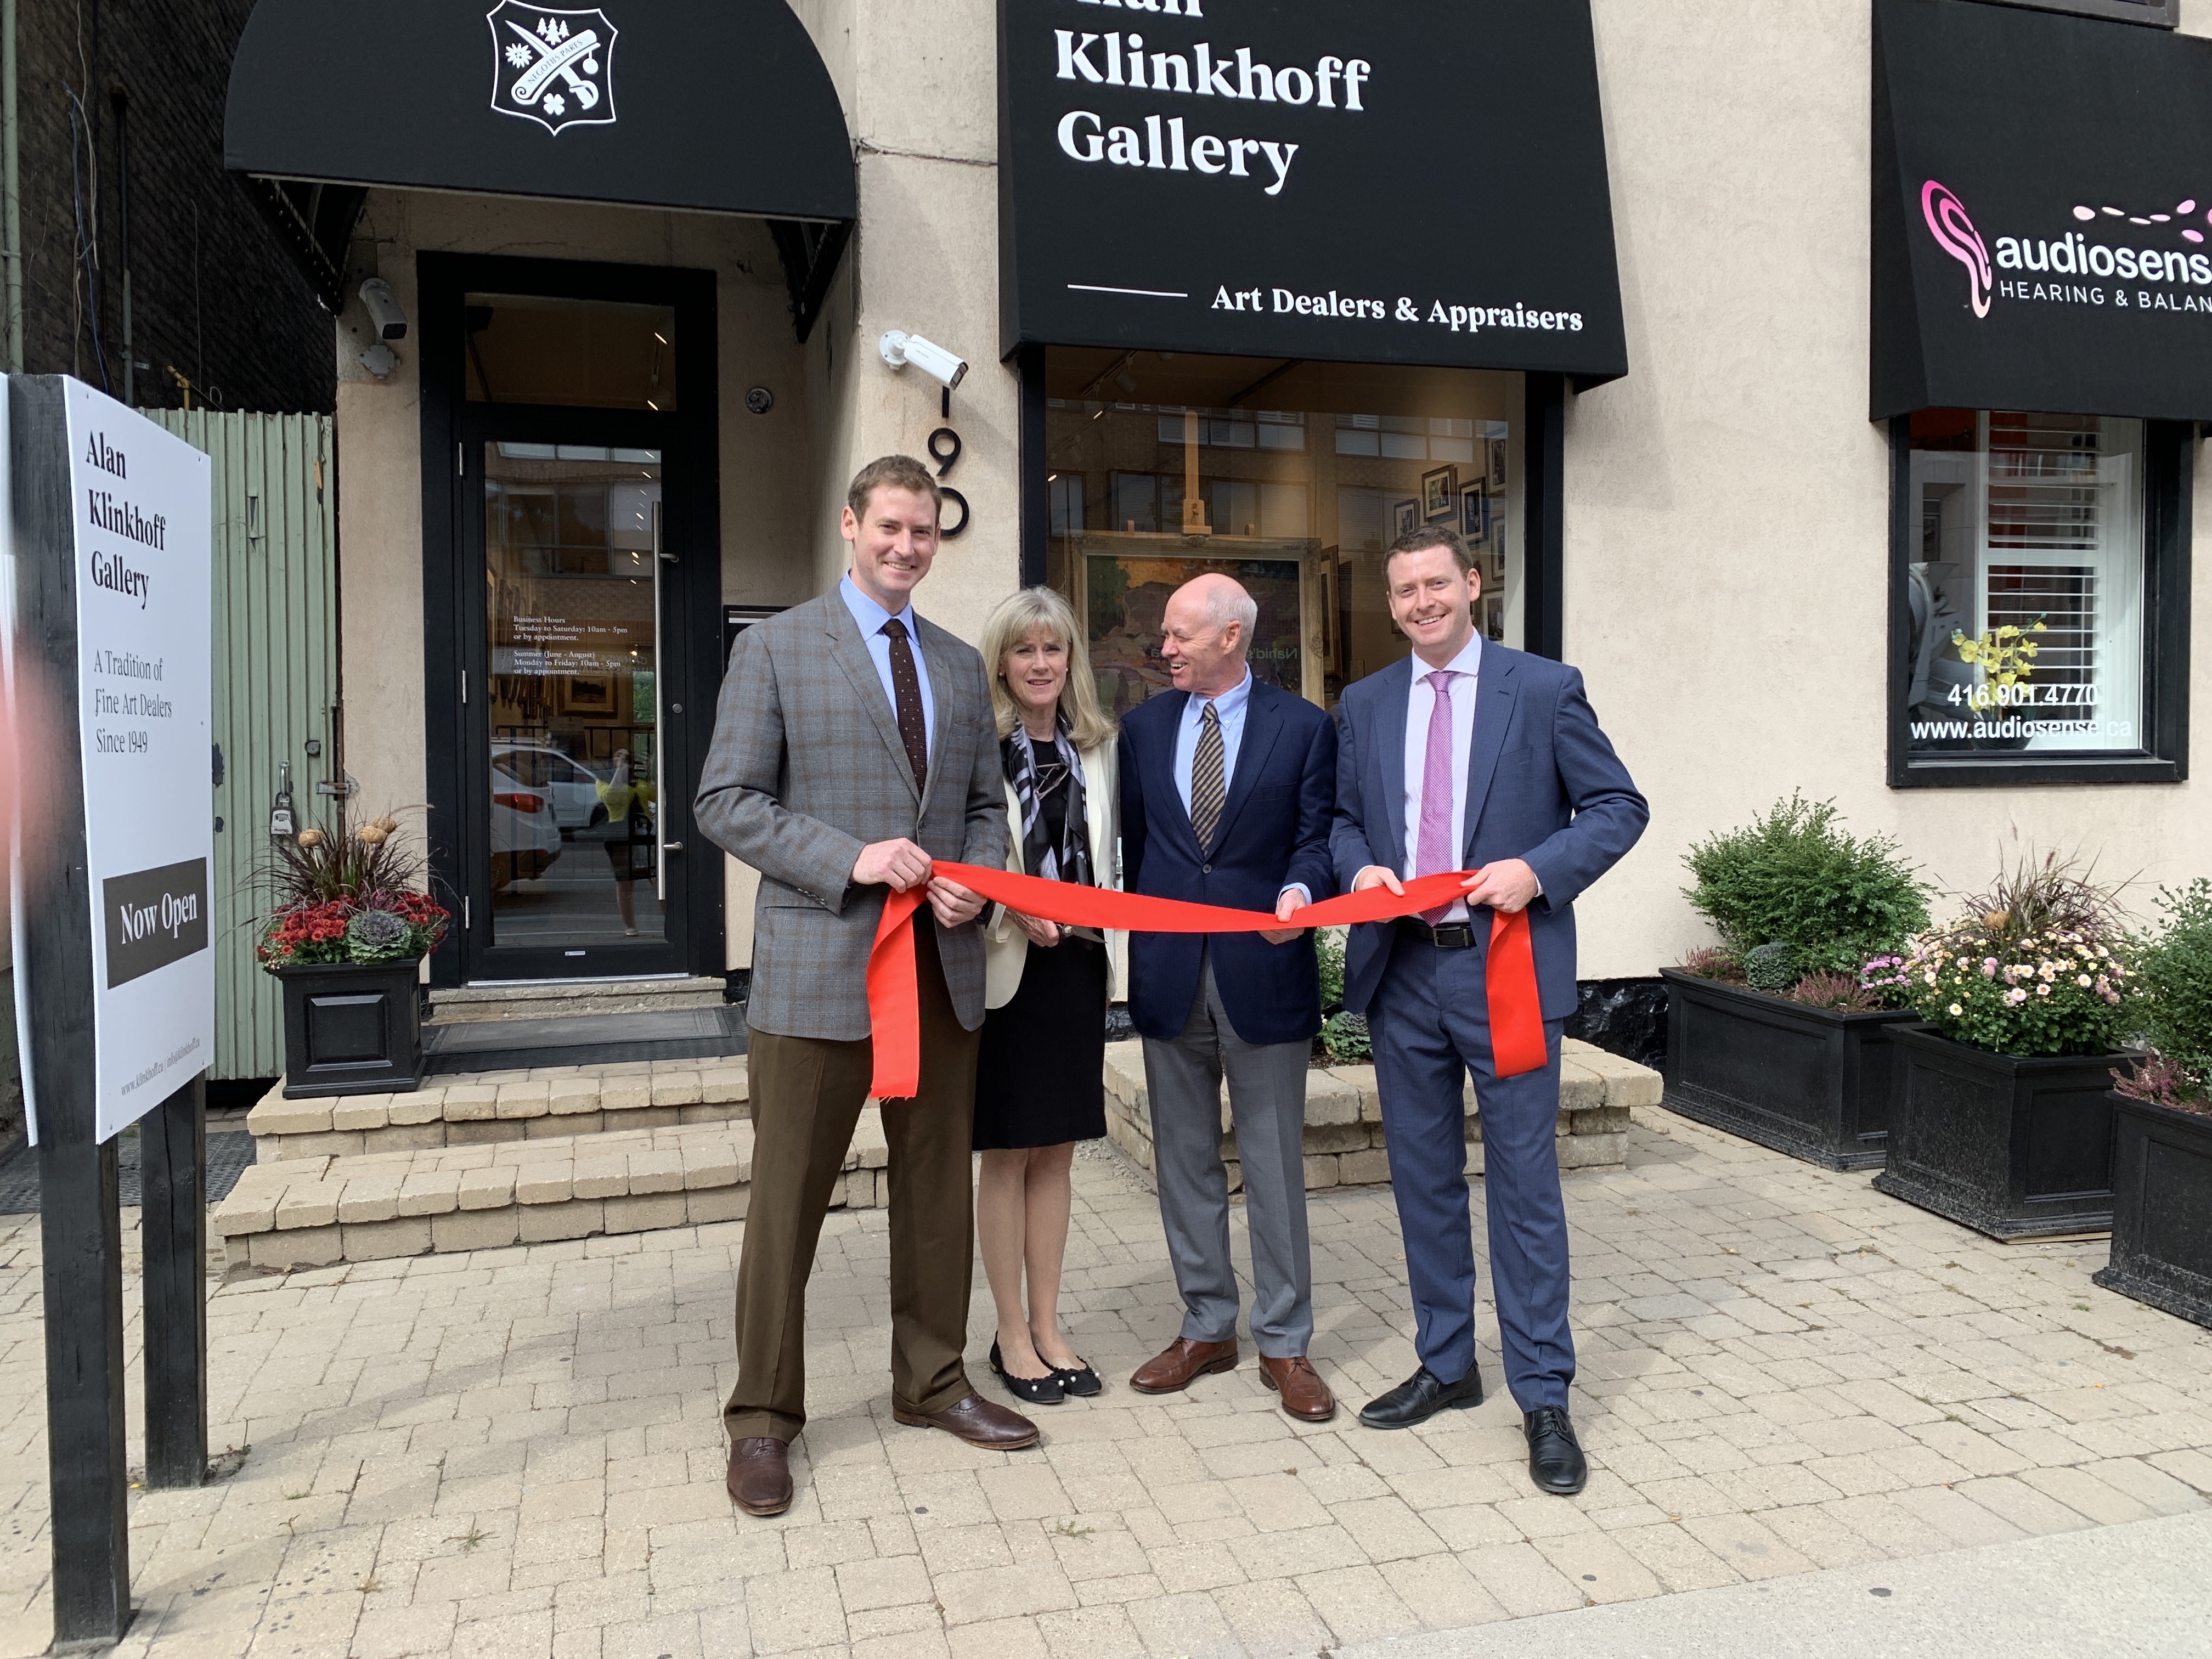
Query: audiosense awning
{"points": [[2042, 214], [709, 106]]}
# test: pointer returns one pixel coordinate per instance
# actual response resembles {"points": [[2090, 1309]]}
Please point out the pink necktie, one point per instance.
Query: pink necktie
{"points": [[1433, 851]]}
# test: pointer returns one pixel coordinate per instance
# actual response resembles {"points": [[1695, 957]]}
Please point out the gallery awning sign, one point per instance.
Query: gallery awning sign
{"points": [[2042, 214], [1312, 179], [706, 106]]}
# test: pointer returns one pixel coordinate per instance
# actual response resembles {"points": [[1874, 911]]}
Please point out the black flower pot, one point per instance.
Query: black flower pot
{"points": [[351, 1029], [2161, 1209], [2012, 1146], [1810, 1081]]}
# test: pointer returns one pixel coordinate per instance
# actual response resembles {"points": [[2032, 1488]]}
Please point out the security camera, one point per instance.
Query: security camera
{"points": [[900, 348], [384, 310]]}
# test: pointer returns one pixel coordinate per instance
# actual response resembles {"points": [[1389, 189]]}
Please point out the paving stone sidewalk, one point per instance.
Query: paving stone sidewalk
{"points": [[518, 1452]]}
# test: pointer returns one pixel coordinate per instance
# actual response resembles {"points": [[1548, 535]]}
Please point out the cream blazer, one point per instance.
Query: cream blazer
{"points": [[1006, 947]]}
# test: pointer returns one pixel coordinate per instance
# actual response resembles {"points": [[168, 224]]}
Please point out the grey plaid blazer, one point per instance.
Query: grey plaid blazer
{"points": [[805, 769]]}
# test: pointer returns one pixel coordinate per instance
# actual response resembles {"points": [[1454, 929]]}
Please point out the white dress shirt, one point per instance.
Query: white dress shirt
{"points": [[1421, 703], [1229, 709], [871, 617]]}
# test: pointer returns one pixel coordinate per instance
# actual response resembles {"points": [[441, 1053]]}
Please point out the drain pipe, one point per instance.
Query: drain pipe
{"points": [[11, 216]]}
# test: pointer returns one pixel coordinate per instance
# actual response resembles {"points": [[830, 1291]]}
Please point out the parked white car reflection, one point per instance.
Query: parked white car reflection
{"points": [[572, 786]]}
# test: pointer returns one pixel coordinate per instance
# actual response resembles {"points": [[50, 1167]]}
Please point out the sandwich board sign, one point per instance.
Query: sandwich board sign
{"points": [[137, 537]]}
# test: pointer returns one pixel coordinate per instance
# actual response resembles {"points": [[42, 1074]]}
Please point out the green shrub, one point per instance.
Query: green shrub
{"points": [[2173, 977], [1345, 1037], [1329, 953], [1793, 877]]}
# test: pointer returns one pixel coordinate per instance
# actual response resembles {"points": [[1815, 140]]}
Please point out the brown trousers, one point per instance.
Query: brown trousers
{"points": [[807, 1097]]}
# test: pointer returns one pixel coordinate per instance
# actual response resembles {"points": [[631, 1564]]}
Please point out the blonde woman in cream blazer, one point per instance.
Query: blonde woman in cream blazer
{"points": [[1038, 1076]]}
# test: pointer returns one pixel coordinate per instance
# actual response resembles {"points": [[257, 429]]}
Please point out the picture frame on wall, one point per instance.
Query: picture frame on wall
{"points": [[1498, 466], [588, 693], [1494, 619], [1438, 490], [1405, 518], [1475, 516]]}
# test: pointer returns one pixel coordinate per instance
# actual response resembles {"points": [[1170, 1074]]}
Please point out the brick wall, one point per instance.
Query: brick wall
{"points": [[214, 295]]}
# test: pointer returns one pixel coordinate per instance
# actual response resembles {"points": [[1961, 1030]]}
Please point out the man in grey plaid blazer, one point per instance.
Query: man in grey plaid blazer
{"points": [[844, 761]]}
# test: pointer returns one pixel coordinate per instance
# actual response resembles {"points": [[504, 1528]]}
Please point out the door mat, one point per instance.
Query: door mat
{"points": [[230, 1155]]}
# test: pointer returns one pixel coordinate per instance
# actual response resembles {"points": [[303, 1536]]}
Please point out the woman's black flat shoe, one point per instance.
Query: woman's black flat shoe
{"points": [[1030, 1390], [1078, 1380]]}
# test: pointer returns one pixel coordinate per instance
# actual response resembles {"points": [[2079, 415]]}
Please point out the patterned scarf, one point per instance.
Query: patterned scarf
{"points": [[1033, 780]]}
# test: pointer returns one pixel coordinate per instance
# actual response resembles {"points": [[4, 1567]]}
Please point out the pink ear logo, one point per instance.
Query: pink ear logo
{"points": [[1955, 234]]}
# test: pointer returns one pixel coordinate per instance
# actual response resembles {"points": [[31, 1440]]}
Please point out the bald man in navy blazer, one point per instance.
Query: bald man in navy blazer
{"points": [[1471, 755]]}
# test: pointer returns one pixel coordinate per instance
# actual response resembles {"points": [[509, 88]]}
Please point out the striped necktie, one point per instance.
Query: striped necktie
{"points": [[1209, 788]]}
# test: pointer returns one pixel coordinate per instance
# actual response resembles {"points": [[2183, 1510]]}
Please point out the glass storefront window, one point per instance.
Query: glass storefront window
{"points": [[2025, 585], [1294, 477], [584, 354]]}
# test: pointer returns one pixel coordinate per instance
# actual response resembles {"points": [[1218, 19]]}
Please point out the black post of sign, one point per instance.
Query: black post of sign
{"points": [[80, 1223], [172, 1232]]}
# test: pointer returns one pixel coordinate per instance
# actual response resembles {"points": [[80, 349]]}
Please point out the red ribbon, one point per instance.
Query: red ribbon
{"points": [[1516, 1015]]}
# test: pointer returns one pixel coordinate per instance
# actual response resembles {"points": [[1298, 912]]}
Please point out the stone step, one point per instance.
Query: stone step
{"points": [[562, 997], [318, 1211], [547, 1102], [1344, 1141]]}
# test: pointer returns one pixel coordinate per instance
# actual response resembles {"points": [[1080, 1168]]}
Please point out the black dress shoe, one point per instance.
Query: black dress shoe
{"points": [[1044, 1391], [1078, 1380], [1421, 1397], [1556, 1462]]}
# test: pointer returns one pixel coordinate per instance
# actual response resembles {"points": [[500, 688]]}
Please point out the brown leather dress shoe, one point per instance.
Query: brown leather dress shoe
{"points": [[1181, 1364], [976, 1421], [760, 1476], [1304, 1394]]}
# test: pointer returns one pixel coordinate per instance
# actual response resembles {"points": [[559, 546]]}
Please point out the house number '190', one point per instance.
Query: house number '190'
{"points": [[945, 450]]}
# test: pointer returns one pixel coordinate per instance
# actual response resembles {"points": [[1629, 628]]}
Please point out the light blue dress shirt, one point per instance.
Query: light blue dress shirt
{"points": [[871, 618], [1229, 708]]}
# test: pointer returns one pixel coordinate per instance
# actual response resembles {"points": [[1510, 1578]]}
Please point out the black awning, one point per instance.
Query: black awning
{"points": [[1309, 178], [707, 105], [2042, 214]]}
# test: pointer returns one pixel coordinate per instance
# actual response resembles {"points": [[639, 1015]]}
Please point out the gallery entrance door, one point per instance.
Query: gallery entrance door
{"points": [[581, 606]]}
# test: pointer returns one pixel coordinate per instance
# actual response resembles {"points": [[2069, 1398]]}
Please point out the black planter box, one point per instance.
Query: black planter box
{"points": [[2161, 1209], [351, 1029], [1810, 1081], [2014, 1146]]}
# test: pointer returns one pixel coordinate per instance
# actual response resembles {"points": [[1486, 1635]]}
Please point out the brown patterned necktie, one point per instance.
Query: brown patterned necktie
{"points": [[906, 686], [1209, 788]]}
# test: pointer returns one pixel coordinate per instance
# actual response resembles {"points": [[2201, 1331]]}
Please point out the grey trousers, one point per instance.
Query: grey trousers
{"points": [[1267, 1101]]}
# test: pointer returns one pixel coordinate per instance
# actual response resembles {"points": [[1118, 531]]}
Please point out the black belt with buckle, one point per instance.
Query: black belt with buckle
{"points": [[1452, 936]]}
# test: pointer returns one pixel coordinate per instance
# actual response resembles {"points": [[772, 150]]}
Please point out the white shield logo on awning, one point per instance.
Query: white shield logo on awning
{"points": [[556, 68]]}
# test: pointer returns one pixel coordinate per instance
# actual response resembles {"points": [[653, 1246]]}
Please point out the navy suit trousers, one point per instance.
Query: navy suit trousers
{"points": [[1431, 1024]]}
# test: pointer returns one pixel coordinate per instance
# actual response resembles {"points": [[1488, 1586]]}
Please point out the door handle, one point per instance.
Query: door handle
{"points": [[672, 846]]}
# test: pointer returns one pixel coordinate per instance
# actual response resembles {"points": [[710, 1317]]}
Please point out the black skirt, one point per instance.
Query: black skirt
{"points": [[1040, 1072]]}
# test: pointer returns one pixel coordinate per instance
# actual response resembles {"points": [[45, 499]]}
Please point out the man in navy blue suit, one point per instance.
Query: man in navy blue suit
{"points": [[1471, 756], [1227, 786]]}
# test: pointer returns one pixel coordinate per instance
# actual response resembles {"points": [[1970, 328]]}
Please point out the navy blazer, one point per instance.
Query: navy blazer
{"points": [[1273, 833], [1543, 785]]}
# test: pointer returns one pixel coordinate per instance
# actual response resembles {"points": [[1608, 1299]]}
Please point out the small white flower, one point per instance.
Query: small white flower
{"points": [[1956, 1011], [2083, 981], [2043, 990]]}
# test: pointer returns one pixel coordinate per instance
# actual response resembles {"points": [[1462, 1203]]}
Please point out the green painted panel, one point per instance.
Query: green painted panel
{"points": [[276, 680]]}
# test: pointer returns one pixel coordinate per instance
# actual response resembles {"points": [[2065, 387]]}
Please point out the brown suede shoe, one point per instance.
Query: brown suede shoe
{"points": [[976, 1421], [760, 1476], [1181, 1364], [1304, 1394]]}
